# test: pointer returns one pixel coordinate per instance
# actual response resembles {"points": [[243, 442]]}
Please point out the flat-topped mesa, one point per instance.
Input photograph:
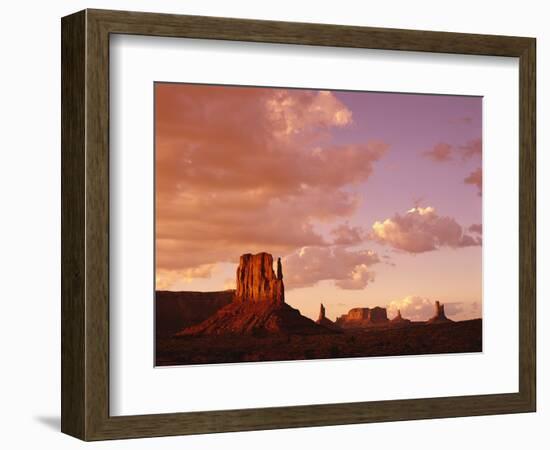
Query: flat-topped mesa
{"points": [[256, 280], [361, 317], [439, 314], [357, 314], [378, 315]]}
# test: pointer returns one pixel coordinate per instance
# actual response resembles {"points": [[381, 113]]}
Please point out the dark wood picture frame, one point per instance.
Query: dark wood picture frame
{"points": [[85, 224]]}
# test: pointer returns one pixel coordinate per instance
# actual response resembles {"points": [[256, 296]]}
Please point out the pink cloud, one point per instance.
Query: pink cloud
{"points": [[475, 178], [165, 279], [464, 120], [441, 152], [291, 114], [421, 230], [471, 149], [475, 228], [250, 169], [345, 234], [349, 269]]}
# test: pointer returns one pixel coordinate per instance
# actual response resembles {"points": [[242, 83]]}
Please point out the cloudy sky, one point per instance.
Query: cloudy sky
{"points": [[369, 198]]}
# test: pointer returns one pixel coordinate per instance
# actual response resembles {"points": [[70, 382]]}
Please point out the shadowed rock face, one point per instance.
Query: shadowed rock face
{"points": [[363, 317], [257, 319], [177, 310], [399, 320], [321, 313], [439, 314], [256, 280], [378, 315], [325, 321]]}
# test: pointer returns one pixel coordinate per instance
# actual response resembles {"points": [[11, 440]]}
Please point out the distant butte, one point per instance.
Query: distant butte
{"points": [[363, 317], [258, 307]]}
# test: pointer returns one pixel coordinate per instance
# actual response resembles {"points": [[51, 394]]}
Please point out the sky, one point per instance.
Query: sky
{"points": [[370, 199]]}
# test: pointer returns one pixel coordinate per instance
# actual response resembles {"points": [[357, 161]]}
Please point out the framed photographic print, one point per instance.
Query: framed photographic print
{"points": [[273, 213]]}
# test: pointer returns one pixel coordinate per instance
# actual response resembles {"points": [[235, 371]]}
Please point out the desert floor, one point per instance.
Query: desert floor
{"points": [[416, 339]]}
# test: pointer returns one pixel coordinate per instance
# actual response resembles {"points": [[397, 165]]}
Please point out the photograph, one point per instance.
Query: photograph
{"points": [[298, 224], [269, 226]]}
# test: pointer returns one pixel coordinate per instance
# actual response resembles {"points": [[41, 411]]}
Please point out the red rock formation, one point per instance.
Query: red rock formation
{"points": [[258, 307], [177, 310], [363, 317], [357, 314], [256, 280], [399, 320], [279, 269], [378, 315], [439, 316], [325, 321], [257, 319], [321, 313]]}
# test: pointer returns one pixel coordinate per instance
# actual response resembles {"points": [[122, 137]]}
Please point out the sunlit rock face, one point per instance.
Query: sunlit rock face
{"points": [[363, 317], [256, 280], [356, 314]]}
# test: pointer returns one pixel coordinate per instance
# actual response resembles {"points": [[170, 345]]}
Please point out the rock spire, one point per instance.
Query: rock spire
{"points": [[325, 321], [439, 314], [399, 320], [321, 313]]}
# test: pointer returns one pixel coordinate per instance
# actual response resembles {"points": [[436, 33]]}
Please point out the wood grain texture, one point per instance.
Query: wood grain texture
{"points": [[73, 109], [97, 225], [85, 224], [527, 224], [201, 27]]}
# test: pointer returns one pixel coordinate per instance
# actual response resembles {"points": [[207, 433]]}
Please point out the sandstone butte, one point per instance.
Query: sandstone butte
{"points": [[371, 317], [258, 306], [363, 317], [256, 280]]}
